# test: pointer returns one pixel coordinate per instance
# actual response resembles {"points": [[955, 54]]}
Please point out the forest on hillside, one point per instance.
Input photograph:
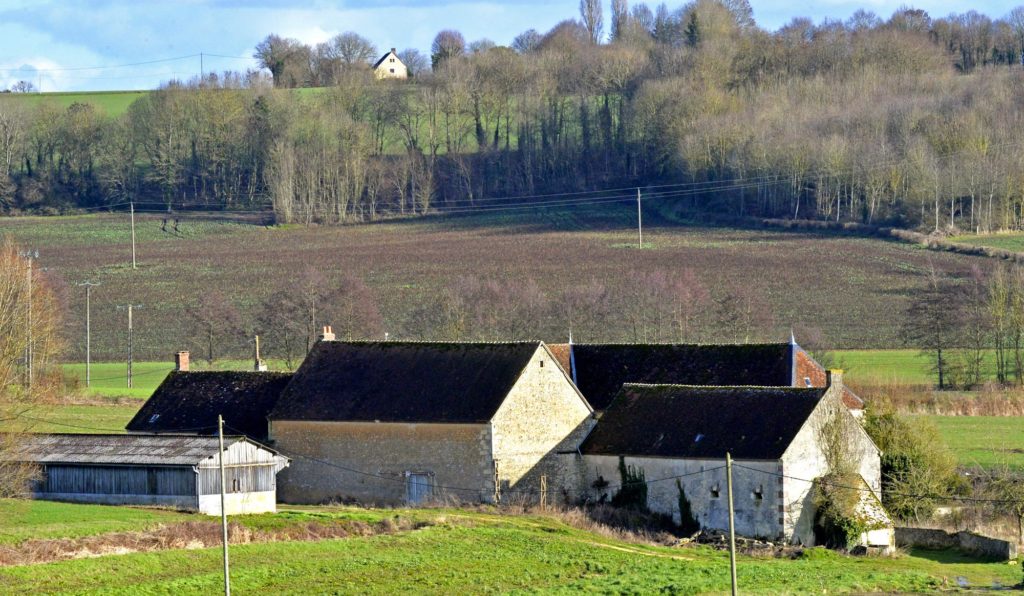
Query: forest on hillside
{"points": [[911, 120]]}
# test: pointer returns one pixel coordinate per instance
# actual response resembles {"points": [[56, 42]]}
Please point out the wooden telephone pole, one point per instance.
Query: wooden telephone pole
{"points": [[131, 332], [132, 207], [639, 221]]}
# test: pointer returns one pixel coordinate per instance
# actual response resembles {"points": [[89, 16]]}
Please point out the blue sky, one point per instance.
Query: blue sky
{"points": [[43, 40]]}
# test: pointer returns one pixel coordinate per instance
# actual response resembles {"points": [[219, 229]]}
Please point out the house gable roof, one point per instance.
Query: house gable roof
{"points": [[191, 402], [602, 369], [390, 54], [404, 381], [699, 422], [807, 369]]}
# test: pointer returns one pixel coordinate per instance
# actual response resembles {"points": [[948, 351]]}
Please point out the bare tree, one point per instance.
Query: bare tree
{"points": [[592, 15], [932, 323], [526, 42], [354, 49], [447, 44], [620, 18], [23, 87], [30, 335], [415, 62], [215, 322]]}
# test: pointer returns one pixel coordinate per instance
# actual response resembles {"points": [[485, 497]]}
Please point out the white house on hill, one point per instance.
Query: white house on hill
{"points": [[390, 67]]}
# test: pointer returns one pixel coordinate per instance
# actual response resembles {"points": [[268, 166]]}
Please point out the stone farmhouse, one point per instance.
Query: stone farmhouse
{"points": [[418, 422], [390, 67], [775, 437]]}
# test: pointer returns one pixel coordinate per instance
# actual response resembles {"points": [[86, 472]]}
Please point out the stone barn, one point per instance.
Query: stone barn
{"points": [[412, 422], [676, 438], [168, 470], [600, 370]]}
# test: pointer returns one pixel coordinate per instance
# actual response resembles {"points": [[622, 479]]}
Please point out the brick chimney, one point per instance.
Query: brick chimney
{"points": [[327, 334], [181, 361]]}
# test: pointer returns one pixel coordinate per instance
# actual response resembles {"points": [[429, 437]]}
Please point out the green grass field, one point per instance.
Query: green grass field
{"points": [[464, 552], [1012, 241], [113, 103], [986, 441]]}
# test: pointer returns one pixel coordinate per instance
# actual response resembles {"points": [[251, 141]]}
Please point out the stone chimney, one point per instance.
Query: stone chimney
{"points": [[834, 377], [393, 51], [181, 361], [327, 334]]}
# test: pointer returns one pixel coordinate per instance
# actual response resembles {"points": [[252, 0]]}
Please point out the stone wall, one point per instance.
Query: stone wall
{"points": [[755, 497], [804, 461], [968, 542], [456, 456], [536, 431]]}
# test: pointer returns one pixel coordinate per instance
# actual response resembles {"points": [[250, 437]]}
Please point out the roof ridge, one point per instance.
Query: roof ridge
{"points": [[434, 341], [672, 344], [685, 386]]}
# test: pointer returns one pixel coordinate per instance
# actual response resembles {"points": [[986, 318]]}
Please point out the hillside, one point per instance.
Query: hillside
{"points": [[539, 270]]}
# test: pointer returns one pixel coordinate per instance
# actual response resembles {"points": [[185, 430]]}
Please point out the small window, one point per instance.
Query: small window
{"points": [[542, 364], [715, 492], [392, 60], [697, 440], [154, 418], [392, 71], [758, 495], [807, 381]]}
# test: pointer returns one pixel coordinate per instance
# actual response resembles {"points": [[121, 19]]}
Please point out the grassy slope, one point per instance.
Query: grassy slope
{"points": [[113, 103], [25, 520], [474, 552]]}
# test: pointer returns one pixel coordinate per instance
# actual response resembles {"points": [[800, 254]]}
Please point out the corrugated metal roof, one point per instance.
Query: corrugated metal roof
{"points": [[162, 450]]}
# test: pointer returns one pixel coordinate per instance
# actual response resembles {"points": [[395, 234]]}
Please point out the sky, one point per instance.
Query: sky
{"points": [[88, 45]]}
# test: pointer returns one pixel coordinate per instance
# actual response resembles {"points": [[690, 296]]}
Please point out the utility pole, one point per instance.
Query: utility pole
{"points": [[223, 509], [639, 220], [132, 208], [732, 523], [130, 307], [88, 329], [202, 73]]}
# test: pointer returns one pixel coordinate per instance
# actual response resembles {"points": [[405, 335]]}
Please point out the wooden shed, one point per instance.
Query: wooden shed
{"points": [[181, 471]]}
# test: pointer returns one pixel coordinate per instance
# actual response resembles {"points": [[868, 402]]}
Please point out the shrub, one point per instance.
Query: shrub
{"points": [[836, 522], [917, 467], [633, 493]]}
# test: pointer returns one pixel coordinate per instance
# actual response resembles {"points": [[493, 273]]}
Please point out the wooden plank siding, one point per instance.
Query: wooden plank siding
{"points": [[118, 480]]}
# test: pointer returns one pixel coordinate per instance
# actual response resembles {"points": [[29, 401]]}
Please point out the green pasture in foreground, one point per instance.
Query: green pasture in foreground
{"points": [[987, 441], [479, 552], [40, 520]]}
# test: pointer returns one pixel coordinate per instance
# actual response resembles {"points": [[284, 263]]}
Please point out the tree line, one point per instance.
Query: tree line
{"points": [[910, 121]]}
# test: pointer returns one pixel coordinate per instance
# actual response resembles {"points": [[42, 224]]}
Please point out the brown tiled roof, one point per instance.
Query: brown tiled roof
{"points": [[807, 368], [702, 422], [404, 381], [191, 402], [601, 369]]}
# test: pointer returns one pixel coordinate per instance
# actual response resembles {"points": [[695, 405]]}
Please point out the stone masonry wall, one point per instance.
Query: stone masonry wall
{"points": [[804, 461], [453, 455], [542, 416], [755, 498]]}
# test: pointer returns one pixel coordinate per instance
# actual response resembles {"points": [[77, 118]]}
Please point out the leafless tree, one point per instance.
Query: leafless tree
{"points": [[592, 15], [354, 49], [23, 87], [447, 44]]}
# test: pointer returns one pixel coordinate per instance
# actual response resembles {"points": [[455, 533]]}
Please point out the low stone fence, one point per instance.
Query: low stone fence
{"points": [[968, 542]]}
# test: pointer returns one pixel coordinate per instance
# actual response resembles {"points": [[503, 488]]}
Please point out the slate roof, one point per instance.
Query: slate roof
{"points": [[403, 381], [602, 369], [383, 58], [702, 422], [164, 450], [191, 401]]}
